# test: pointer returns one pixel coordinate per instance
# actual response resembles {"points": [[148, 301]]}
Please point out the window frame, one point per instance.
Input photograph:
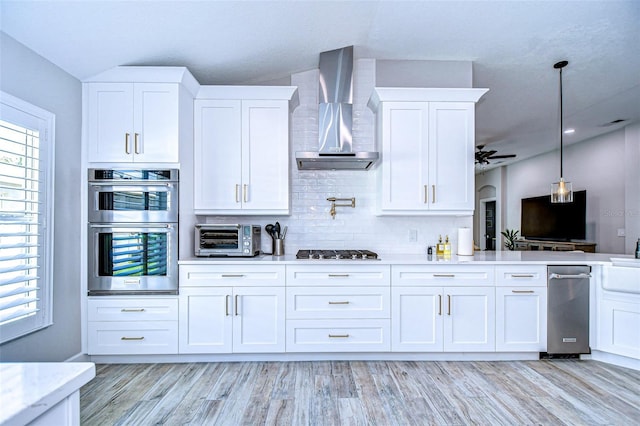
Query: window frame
{"points": [[22, 113]]}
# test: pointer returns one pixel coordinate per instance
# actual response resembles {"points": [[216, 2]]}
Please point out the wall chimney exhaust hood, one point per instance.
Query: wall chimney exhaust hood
{"points": [[335, 118]]}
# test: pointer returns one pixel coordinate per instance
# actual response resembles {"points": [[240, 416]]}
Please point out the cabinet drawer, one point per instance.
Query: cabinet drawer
{"points": [[231, 275], [338, 335], [133, 338], [445, 275], [521, 275], [337, 302], [133, 309], [338, 275]]}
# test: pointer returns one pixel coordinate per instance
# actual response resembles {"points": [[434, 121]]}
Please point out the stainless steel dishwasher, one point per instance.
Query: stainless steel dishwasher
{"points": [[568, 309]]}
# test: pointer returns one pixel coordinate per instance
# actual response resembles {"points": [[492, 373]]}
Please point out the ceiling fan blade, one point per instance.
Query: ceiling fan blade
{"points": [[494, 157]]}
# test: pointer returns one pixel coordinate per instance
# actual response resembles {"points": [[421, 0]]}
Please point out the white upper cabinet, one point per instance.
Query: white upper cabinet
{"points": [[426, 138], [138, 114], [241, 153]]}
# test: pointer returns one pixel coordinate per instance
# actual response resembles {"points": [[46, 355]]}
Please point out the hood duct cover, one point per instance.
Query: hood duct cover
{"points": [[335, 118]]}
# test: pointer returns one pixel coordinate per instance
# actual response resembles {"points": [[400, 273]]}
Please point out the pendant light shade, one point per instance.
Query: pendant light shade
{"points": [[561, 192]]}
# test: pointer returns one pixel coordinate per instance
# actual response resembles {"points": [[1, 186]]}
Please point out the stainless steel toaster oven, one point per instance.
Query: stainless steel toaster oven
{"points": [[232, 240]]}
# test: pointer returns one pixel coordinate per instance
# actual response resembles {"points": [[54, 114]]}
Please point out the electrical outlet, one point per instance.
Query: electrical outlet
{"points": [[621, 232], [413, 235]]}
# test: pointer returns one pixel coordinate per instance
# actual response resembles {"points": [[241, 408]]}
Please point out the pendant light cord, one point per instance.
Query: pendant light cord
{"points": [[561, 125]]}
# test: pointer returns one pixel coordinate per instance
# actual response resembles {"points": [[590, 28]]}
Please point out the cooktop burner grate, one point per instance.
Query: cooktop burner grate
{"points": [[336, 254]]}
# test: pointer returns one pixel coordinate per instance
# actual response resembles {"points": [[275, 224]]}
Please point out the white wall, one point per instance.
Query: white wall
{"points": [[597, 165], [310, 225], [32, 78], [632, 190]]}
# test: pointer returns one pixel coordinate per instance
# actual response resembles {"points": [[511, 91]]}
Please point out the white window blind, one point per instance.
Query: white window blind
{"points": [[26, 216]]}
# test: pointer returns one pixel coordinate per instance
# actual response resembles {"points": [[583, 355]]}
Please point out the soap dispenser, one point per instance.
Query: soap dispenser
{"points": [[440, 247], [447, 247]]}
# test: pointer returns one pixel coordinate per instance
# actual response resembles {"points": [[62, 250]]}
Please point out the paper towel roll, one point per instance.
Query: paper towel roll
{"points": [[465, 242]]}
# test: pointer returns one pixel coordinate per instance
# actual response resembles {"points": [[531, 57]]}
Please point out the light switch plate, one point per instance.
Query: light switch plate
{"points": [[621, 232]]}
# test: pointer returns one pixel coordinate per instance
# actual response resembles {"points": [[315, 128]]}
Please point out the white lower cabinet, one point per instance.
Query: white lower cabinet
{"points": [[231, 309], [338, 308], [132, 325], [619, 312], [430, 317], [521, 308]]}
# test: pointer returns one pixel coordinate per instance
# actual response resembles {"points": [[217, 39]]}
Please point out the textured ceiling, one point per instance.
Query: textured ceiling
{"points": [[512, 44]]}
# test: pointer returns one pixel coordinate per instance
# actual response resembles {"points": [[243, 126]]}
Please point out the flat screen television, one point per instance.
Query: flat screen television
{"points": [[542, 220]]}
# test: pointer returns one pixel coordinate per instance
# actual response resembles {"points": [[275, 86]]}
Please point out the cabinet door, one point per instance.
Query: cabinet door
{"points": [[217, 155], [110, 122], [469, 320], [416, 320], [619, 325], [521, 319], [451, 155], [205, 320], [258, 319], [405, 156], [265, 156], [156, 116]]}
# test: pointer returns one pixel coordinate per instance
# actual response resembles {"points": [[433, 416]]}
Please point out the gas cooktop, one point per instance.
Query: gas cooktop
{"points": [[336, 254]]}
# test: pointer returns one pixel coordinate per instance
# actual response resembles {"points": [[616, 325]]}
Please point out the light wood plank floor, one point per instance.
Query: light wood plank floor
{"points": [[556, 392]]}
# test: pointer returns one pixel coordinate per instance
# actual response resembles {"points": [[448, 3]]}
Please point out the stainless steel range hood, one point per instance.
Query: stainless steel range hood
{"points": [[335, 118]]}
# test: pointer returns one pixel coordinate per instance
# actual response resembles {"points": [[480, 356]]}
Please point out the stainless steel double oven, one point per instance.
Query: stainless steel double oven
{"points": [[133, 231]]}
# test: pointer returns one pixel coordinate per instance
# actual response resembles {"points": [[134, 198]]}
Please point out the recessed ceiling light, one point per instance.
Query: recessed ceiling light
{"points": [[569, 131]]}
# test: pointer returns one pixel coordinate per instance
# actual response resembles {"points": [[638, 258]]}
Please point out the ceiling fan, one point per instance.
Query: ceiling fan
{"points": [[484, 157]]}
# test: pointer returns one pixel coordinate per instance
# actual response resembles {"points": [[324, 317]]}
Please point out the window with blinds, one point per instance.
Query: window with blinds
{"points": [[26, 216]]}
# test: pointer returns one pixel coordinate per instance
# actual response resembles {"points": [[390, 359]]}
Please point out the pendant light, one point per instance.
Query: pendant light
{"points": [[561, 191]]}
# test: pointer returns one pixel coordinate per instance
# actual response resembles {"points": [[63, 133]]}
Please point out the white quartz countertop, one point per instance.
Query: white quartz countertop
{"points": [[487, 257], [27, 390]]}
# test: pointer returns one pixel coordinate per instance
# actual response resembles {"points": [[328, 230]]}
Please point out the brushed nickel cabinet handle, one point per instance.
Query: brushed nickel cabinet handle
{"points": [[338, 336], [522, 276], [439, 304], [522, 291], [346, 302], [338, 275], [426, 194], [132, 310], [135, 143], [236, 303], [232, 275], [433, 194], [226, 305], [132, 338], [449, 304], [237, 188], [245, 187], [444, 275], [126, 143]]}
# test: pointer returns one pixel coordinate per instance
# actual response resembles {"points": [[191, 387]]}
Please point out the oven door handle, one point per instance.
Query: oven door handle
{"points": [[115, 225]]}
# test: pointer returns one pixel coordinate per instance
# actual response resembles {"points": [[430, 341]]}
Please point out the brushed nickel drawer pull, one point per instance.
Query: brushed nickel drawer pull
{"points": [[444, 275], [338, 336], [338, 275], [132, 310], [449, 303], [522, 276], [439, 304], [522, 291], [346, 302], [232, 275], [236, 300], [226, 305], [132, 338]]}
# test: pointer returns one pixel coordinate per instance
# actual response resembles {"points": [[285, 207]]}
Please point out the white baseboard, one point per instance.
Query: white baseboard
{"points": [[80, 357]]}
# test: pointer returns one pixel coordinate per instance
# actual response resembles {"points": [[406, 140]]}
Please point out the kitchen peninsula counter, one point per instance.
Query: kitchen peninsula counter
{"points": [[47, 392]]}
